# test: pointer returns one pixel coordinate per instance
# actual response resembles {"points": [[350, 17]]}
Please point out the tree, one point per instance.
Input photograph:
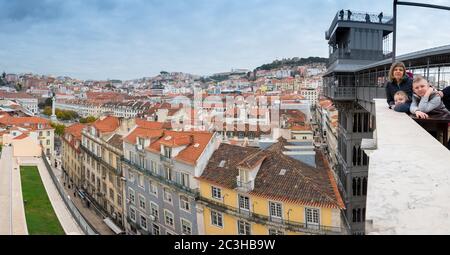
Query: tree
{"points": [[4, 75], [88, 119], [18, 87], [59, 128], [47, 111]]}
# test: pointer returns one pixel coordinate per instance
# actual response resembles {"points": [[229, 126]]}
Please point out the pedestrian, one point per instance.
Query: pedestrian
{"points": [[367, 18], [380, 16], [349, 15], [341, 14]]}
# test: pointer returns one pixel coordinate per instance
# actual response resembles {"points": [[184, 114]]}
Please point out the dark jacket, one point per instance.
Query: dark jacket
{"points": [[392, 87], [446, 98]]}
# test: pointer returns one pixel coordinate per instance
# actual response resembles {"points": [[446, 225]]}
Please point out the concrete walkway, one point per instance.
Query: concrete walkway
{"points": [[12, 212], [66, 219]]}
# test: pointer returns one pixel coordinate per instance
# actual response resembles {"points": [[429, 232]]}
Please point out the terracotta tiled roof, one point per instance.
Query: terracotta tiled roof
{"points": [[143, 132], [116, 141], [8, 120], [300, 183], [148, 124], [20, 137], [190, 154], [108, 124], [75, 130], [301, 128]]}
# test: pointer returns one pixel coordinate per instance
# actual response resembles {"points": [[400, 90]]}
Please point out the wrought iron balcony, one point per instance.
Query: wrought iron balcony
{"points": [[244, 186], [340, 93], [166, 160], [117, 170], [162, 179], [270, 221]]}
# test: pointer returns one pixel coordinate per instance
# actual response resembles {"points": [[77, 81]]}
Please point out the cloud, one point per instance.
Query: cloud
{"points": [[99, 39]]}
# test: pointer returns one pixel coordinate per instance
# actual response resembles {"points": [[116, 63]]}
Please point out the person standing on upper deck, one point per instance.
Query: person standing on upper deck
{"points": [[425, 99], [398, 80]]}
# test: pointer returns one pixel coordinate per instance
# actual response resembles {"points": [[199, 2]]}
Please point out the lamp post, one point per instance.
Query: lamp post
{"points": [[395, 3]]}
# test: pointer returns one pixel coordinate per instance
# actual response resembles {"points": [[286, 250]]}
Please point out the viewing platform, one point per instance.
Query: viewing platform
{"points": [[409, 175]]}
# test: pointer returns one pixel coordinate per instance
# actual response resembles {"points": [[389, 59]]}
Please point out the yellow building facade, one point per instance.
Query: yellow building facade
{"points": [[233, 206]]}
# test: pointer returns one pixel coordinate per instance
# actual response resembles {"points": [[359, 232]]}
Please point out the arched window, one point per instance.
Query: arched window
{"points": [[355, 122], [360, 122], [358, 215], [366, 122], [354, 156], [359, 157], [365, 159], [358, 186], [354, 186], [354, 215], [363, 214], [364, 185]]}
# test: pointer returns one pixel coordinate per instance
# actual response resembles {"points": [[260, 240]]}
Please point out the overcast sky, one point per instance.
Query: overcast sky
{"points": [[118, 39]]}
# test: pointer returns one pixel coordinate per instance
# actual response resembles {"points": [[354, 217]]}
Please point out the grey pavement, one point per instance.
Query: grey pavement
{"points": [[12, 213], [91, 215]]}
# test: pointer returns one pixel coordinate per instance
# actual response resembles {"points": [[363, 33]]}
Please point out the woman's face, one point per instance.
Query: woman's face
{"points": [[399, 72], [420, 87]]}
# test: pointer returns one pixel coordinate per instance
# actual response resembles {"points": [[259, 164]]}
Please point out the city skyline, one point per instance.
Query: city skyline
{"points": [[129, 40]]}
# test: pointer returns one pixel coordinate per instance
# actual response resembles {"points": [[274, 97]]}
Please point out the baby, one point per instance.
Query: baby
{"points": [[402, 102]]}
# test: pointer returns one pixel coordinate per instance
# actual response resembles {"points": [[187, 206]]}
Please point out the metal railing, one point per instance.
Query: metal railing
{"points": [[340, 93], [348, 15], [356, 54], [271, 221], [101, 160], [156, 177], [87, 228], [166, 159], [244, 186]]}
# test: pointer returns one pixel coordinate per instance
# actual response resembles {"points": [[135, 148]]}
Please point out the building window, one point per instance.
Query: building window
{"points": [[154, 210], [216, 219], [167, 152], [216, 193], [167, 195], [244, 228], [244, 203], [168, 173], [312, 217], [143, 222], [111, 194], [276, 232], [142, 202], [153, 189], [141, 180], [48, 142], [184, 203], [154, 168], [186, 227], [155, 230], [132, 214], [168, 218], [119, 200], [359, 215], [131, 176], [275, 210], [131, 195], [184, 179]]}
